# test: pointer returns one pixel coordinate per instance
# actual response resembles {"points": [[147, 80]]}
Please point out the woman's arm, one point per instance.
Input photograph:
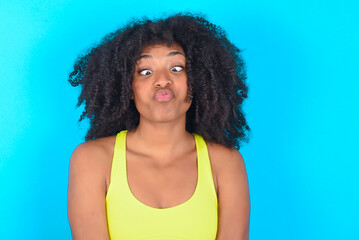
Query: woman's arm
{"points": [[86, 194], [233, 195]]}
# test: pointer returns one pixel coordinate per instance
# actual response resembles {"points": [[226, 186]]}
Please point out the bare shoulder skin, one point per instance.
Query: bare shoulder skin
{"points": [[88, 180], [232, 190]]}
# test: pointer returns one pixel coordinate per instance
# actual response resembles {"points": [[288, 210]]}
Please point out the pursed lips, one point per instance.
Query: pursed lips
{"points": [[163, 95]]}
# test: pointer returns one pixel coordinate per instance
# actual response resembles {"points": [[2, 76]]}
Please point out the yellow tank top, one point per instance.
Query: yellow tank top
{"points": [[130, 219]]}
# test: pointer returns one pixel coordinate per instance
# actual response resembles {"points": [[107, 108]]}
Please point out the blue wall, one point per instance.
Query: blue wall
{"points": [[303, 108]]}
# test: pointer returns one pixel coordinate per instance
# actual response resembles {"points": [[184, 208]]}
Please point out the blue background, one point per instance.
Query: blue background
{"points": [[302, 62]]}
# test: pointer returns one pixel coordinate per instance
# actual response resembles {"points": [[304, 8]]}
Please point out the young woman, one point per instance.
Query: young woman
{"points": [[160, 161]]}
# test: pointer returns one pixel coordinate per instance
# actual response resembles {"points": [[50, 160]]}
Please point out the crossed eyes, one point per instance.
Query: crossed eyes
{"points": [[146, 72]]}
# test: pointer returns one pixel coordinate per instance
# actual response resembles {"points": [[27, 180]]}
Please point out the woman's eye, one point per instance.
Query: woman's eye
{"points": [[145, 72], [177, 68]]}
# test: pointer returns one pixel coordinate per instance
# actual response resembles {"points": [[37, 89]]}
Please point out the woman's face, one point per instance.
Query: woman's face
{"points": [[160, 84]]}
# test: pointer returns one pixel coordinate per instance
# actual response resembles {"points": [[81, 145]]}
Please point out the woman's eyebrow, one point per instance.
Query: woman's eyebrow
{"points": [[173, 53], [144, 56]]}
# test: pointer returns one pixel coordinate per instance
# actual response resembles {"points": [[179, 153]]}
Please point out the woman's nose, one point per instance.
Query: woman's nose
{"points": [[162, 80]]}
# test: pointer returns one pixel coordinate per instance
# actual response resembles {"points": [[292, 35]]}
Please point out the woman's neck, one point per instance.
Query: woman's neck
{"points": [[163, 139]]}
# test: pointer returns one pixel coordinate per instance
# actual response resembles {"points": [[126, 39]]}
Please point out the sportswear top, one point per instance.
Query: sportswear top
{"points": [[130, 219]]}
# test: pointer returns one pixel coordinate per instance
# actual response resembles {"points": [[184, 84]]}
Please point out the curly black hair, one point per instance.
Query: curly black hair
{"points": [[215, 70]]}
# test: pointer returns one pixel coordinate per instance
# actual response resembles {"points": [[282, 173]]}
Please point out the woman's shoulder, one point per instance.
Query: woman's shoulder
{"points": [[219, 152], [99, 146], [224, 159], [93, 156]]}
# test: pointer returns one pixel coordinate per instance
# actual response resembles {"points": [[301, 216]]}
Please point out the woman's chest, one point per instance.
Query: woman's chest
{"points": [[162, 184]]}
